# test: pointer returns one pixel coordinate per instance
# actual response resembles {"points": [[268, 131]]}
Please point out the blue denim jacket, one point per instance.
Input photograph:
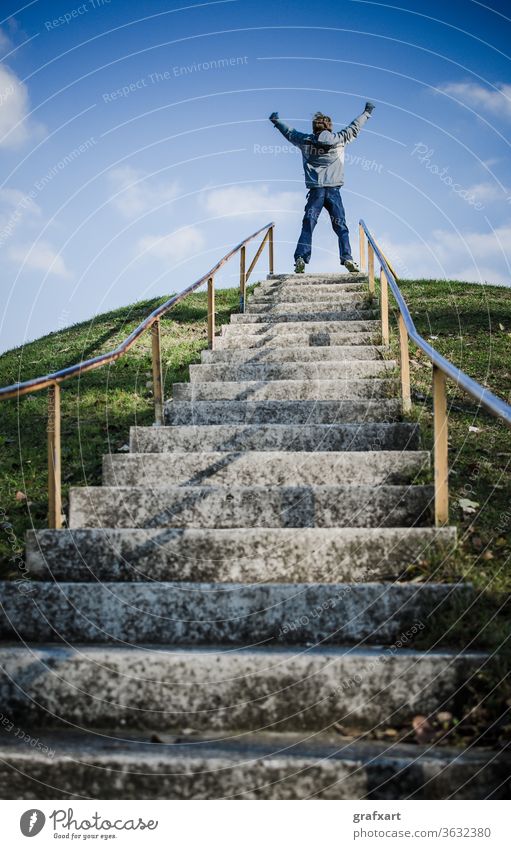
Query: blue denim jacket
{"points": [[323, 154]]}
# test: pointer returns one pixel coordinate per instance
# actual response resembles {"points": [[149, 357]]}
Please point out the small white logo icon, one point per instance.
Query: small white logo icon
{"points": [[32, 822]]}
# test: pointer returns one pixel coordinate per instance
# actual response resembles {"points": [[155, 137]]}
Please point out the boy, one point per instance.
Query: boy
{"points": [[323, 165]]}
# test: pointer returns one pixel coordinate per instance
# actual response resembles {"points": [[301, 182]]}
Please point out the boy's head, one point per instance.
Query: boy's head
{"points": [[321, 122]]}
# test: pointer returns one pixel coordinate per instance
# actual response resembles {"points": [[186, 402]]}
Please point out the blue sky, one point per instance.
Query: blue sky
{"points": [[135, 145]]}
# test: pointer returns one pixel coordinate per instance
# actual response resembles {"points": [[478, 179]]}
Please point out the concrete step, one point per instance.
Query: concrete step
{"points": [[286, 390], [302, 354], [296, 338], [363, 436], [349, 302], [293, 294], [313, 279], [295, 315], [281, 412], [272, 468], [344, 370], [223, 689], [246, 555], [250, 507], [261, 766], [316, 328]]}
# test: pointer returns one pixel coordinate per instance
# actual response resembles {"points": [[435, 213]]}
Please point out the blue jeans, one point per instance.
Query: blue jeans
{"points": [[330, 198]]}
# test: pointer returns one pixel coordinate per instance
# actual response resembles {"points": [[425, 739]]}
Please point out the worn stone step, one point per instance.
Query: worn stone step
{"points": [[344, 370], [263, 467], [220, 689], [272, 766], [295, 316], [286, 390], [311, 278], [363, 436], [290, 355], [281, 412], [316, 328], [246, 555], [250, 507], [349, 302], [296, 338], [288, 292]]}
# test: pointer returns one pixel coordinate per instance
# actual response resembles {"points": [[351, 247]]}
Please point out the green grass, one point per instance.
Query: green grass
{"points": [[469, 324], [97, 409]]}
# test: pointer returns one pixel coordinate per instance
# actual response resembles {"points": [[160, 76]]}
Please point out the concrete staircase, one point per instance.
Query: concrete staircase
{"points": [[228, 615]]}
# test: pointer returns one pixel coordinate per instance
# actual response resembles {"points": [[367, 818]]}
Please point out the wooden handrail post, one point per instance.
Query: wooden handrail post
{"points": [[54, 461], [157, 377], [270, 250], [441, 451], [405, 365], [361, 242], [384, 307], [211, 313], [370, 267], [243, 277]]}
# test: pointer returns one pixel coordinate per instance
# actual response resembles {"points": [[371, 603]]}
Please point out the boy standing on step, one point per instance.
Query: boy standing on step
{"points": [[323, 164]]}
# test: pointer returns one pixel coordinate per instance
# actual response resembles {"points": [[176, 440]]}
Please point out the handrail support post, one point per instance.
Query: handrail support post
{"points": [[243, 277], [270, 250], [361, 243], [384, 307], [211, 313], [405, 365], [370, 267], [441, 456], [54, 459], [157, 374]]}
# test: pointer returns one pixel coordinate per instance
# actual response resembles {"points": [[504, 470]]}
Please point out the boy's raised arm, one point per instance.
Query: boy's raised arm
{"points": [[349, 133], [288, 132]]}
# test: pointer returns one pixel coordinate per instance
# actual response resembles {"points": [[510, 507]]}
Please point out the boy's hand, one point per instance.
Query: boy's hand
{"points": [[369, 107], [274, 117]]}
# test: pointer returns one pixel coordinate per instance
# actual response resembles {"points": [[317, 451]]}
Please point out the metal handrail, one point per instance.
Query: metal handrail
{"points": [[442, 369], [37, 383], [152, 322], [495, 405]]}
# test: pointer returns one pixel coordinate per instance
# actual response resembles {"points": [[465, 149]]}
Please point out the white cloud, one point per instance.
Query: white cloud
{"points": [[15, 124], [475, 257], [497, 101], [486, 192], [40, 256], [5, 41], [182, 244], [237, 200], [135, 194]]}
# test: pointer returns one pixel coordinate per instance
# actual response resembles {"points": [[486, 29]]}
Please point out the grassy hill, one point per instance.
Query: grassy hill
{"points": [[97, 410], [469, 324]]}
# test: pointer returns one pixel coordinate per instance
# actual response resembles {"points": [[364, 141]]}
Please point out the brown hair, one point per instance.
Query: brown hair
{"points": [[321, 122]]}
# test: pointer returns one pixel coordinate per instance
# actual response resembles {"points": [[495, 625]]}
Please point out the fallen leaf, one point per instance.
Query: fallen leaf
{"points": [[473, 429], [444, 716], [501, 326], [477, 543], [20, 496], [487, 555], [468, 506], [424, 732]]}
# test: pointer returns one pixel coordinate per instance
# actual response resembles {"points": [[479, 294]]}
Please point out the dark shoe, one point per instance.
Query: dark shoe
{"points": [[299, 265], [351, 265]]}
